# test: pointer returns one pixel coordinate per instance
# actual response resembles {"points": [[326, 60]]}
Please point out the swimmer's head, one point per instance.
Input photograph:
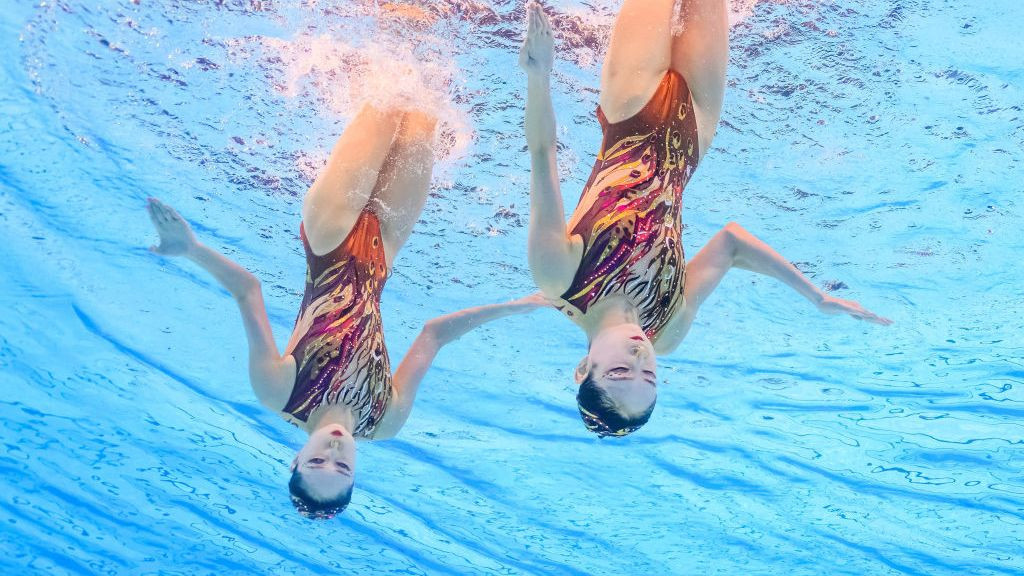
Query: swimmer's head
{"points": [[618, 381], [323, 473]]}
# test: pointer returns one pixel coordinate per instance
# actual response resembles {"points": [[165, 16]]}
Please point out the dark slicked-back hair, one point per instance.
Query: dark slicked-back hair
{"points": [[311, 507], [601, 416]]}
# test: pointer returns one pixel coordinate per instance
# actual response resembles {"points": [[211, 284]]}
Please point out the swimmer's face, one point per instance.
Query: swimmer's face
{"points": [[327, 462], [621, 362]]}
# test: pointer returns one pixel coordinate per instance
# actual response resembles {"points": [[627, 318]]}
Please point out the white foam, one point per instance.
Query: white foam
{"points": [[740, 10], [339, 76], [402, 61]]}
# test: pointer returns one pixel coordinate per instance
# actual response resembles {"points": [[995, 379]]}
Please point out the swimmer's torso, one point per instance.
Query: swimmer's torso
{"points": [[629, 215], [340, 353]]}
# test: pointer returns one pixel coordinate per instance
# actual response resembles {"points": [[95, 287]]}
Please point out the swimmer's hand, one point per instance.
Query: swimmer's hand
{"points": [[533, 301], [830, 305], [272, 375], [176, 237], [537, 55]]}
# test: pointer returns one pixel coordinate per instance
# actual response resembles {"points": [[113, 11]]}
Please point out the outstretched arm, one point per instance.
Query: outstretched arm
{"points": [[435, 334], [271, 375], [549, 248], [734, 247]]}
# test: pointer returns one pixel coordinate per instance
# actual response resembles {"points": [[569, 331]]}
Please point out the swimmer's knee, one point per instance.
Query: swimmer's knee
{"points": [[381, 112]]}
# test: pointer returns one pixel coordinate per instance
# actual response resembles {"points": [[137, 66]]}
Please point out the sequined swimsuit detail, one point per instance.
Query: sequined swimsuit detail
{"points": [[629, 214], [341, 356]]}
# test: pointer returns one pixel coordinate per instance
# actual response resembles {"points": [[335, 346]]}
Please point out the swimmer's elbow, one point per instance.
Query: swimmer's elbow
{"points": [[249, 288], [733, 235], [436, 333], [734, 229], [431, 329]]}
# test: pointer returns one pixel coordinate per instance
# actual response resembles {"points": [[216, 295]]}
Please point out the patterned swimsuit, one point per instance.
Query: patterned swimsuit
{"points": [[341, 356], [630, 212]]}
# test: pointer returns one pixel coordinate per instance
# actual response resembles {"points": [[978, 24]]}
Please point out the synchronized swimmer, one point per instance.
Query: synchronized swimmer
{"points": [[616, 269], [334, 380]]}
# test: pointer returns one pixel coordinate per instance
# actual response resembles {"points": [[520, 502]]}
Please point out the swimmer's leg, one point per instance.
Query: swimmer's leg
{"points": [[700, 54], [639, 54], [404, 182], [643, 48], [341, 191]]}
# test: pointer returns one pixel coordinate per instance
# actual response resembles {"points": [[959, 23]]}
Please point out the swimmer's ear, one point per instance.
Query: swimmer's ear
{"points": [[582, 370], [295, 464]]}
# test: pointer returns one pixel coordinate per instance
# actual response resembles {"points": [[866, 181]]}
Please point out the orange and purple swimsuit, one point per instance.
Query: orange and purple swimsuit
{"points": [[630, 212], [341, 356]]}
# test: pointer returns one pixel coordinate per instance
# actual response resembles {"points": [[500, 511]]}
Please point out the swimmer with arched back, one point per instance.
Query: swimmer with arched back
{"points": [[617, 268], [334, 379]]}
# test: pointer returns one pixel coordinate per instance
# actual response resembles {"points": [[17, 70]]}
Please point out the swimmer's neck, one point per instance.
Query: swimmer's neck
{"points": [[609, 312], [331, 414]]}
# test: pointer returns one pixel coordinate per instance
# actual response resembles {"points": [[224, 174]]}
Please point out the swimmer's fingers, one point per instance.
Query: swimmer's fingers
{"points": [[539, 21], [544, 22], [157, 218], [524, 51], [164, 213], [154, 216], [875, 318], [832, 305], [536, 300], [861, 313], [173, 216], [537, 54], [536, 21]]}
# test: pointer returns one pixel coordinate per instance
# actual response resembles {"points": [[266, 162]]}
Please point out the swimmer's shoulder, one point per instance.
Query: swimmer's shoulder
{"points": [[273, 384], [555, 280], [668, 338]]}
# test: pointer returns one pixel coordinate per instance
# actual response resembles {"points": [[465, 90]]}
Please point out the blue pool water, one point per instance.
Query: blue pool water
{"points": [[876, 144]]}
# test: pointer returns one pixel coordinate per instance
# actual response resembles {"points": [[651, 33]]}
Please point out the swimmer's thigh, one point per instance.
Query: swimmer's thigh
{"points": [[639, 54], [344, 187], [700, 54], [402, 188]]}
